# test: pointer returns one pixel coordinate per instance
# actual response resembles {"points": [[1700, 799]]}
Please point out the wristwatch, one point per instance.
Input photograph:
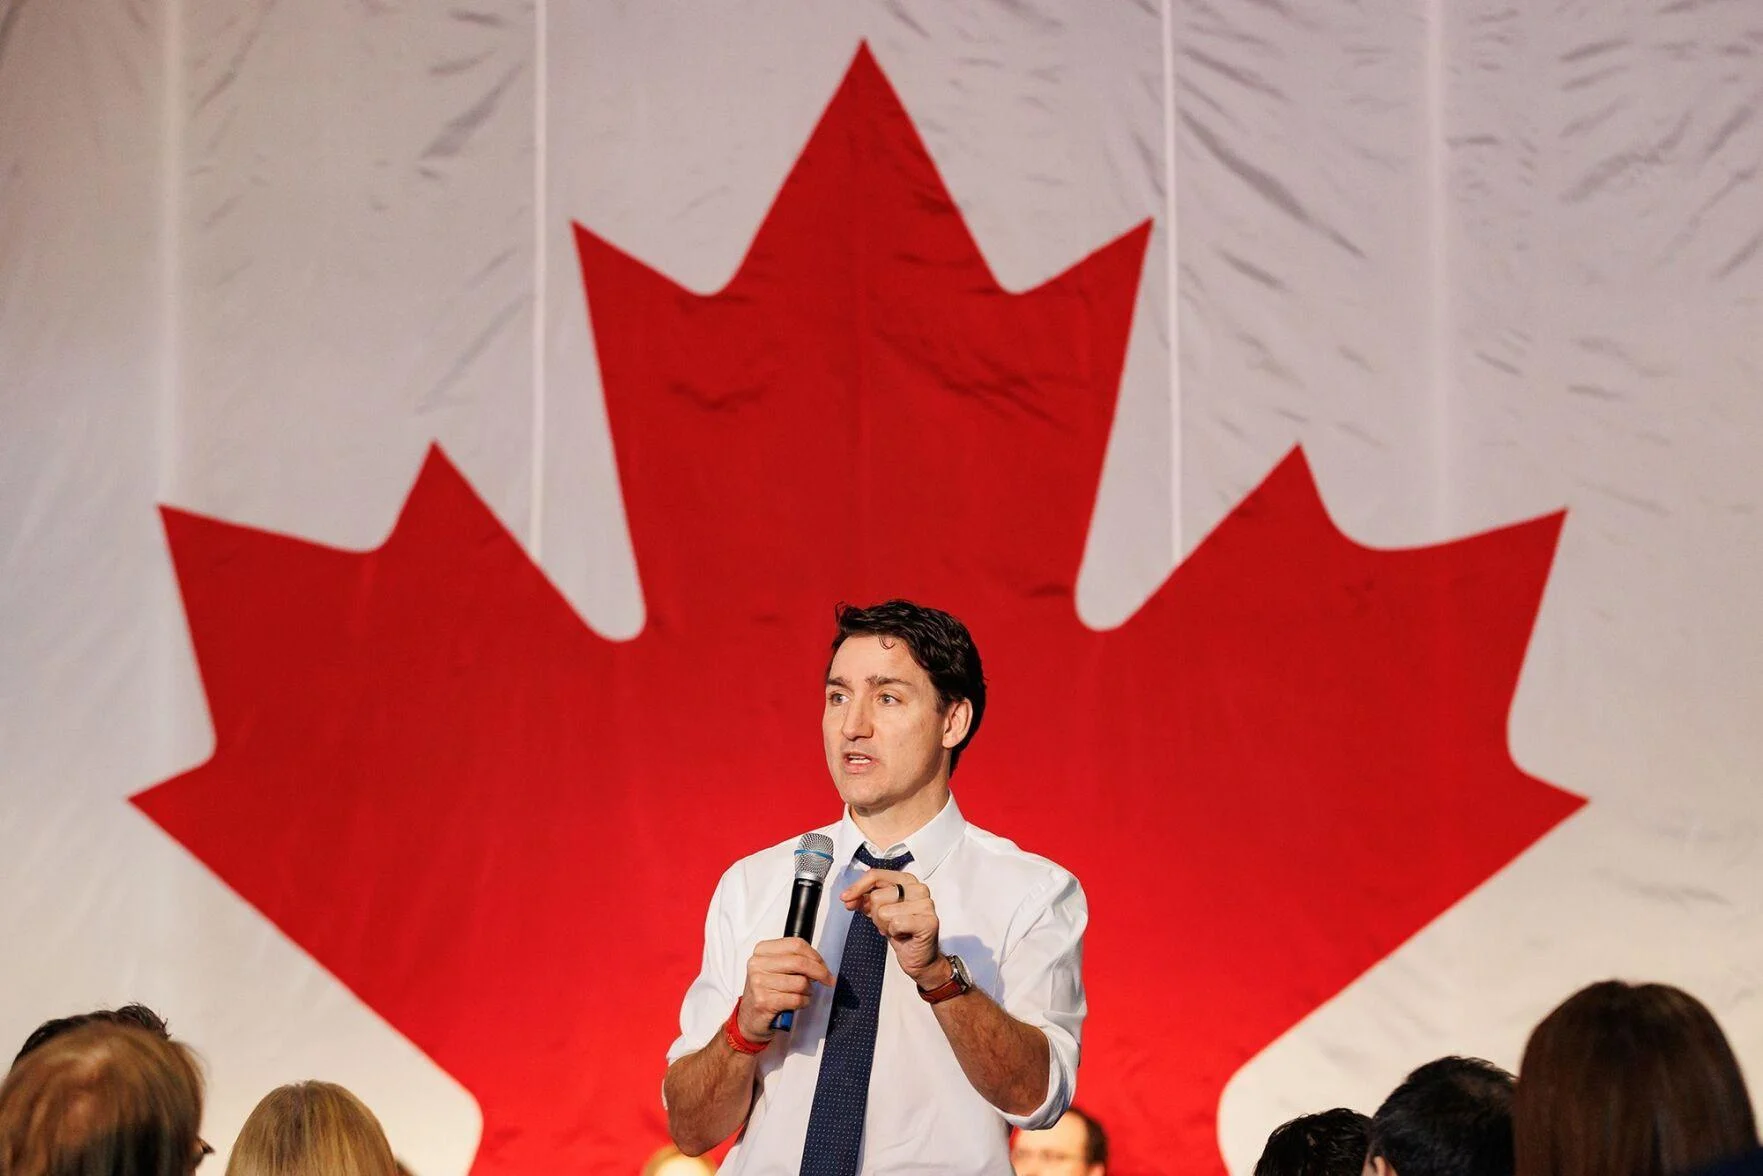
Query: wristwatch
{"points": [[957, 983]]}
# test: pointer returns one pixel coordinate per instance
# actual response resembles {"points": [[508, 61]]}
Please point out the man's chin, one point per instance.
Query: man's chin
{"points": [[862, 793]]}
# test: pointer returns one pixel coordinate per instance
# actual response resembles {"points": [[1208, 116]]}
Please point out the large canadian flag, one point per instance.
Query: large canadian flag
{"points": [[432, 439]]}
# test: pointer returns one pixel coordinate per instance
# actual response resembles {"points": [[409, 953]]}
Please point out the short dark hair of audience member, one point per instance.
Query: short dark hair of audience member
{"points": [[1075, 1145], [939, 643], [130, 1014], [102, 1099], [311, 1129], [1629, 1078], [1328, 1143], [1451, 1117]]}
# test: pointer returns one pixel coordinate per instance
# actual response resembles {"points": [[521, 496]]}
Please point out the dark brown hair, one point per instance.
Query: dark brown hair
{"points": [[102, 1099], [128, 1014], [1629, 1078], [940, 644]]}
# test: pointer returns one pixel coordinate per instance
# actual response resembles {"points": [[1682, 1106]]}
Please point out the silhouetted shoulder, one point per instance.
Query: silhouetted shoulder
{"points": [[1746, 1165]]}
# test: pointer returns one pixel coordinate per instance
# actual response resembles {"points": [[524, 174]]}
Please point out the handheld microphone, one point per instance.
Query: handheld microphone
{"points": [[814, 860]]}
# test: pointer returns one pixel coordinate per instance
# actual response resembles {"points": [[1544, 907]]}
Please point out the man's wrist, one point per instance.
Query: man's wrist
{"points": [[737, 1038], [934, 974]]}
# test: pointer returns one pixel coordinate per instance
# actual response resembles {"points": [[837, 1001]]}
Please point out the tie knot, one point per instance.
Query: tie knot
{"points": [[875, 863]]}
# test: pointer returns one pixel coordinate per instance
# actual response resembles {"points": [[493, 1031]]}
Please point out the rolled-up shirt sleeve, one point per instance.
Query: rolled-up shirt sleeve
{"points": [[1043, 986], [712, 995]]}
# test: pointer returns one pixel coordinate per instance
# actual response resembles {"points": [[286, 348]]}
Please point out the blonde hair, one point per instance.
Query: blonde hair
{"points": [[101, 1098], [311, 1129]]}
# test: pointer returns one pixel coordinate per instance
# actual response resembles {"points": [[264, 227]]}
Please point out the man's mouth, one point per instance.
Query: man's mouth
{"points": [[857, 760]]}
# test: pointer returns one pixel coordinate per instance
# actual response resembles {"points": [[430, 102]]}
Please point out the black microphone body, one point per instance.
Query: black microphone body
{"points": [[813, 859], [804, 906]]}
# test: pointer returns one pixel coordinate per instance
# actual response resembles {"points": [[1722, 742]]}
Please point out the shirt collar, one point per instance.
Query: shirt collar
{"points": [[928, 846]]}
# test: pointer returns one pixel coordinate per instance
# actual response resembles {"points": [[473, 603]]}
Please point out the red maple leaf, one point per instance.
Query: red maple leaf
{"points": [[500, 829]]}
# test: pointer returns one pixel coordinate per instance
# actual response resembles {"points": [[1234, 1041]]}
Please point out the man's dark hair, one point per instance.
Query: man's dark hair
{"points": [[940, 644], [1329, 1143], [1452, 1117], [1095, 1139], [138, 1015]]}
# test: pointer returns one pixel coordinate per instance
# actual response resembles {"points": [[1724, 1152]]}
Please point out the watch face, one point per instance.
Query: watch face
{"points": [[960, 970]]}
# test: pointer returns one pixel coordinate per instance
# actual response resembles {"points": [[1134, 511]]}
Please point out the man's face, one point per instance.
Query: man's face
{"points": [[885, 735], [1057, 1151]]}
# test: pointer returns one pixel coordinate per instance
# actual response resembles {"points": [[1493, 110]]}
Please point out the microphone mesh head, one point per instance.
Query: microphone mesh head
{"points": [[814, 856]]}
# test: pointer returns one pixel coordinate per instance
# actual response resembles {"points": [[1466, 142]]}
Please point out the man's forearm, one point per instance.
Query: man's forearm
{"points": [[1006, 1060], [708, 1095]]}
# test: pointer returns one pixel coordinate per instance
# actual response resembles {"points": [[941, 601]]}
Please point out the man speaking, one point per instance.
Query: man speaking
{"points": [[941, 1000]]}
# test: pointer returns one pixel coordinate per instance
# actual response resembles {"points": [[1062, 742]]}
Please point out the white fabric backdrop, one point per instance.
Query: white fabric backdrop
{"points": [[1483, 261]]}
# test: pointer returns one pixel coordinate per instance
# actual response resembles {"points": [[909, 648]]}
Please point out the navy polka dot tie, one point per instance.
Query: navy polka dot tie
{"points": [[835, 1124]]}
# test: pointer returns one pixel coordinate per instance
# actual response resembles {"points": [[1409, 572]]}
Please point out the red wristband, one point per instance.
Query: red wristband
{"points": [[736, 1039]]}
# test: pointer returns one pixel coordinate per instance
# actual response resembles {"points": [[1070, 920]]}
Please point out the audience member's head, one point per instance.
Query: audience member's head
{"points": [[138, 1015], [101, 1099], [311, 1129], [671, 1161], [1331, 1143], [1074, 1146], [1629, 1078], [1452, 1117]]}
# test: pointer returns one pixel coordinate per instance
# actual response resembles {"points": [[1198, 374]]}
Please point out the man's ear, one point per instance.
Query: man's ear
{"points": [[956, 721], [1378, 1166]]}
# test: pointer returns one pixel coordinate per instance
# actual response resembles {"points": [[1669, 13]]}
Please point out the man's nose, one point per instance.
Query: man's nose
{"points": [[856, 721]]}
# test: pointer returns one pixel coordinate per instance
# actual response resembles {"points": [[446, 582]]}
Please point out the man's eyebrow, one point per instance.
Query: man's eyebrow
{"points": [[872, 680]]}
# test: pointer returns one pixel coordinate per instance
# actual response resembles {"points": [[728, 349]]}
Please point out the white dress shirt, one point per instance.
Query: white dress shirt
{"points": [[1015, 919]]}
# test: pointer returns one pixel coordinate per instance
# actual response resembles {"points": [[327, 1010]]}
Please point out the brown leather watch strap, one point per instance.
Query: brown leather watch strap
{"points": [[954, 986]]}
